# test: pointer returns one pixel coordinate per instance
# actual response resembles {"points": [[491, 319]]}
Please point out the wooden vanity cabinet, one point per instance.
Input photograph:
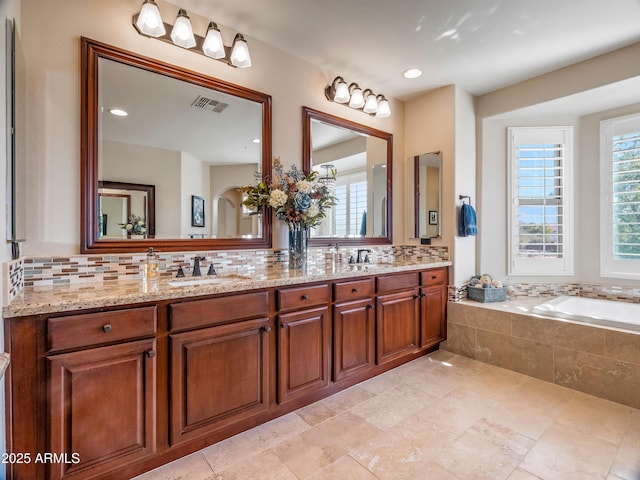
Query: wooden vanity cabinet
{"points": [[433, 307], [102, 399], [115, 392], [397, 316], [219, 373], [354, 329], [304, 341]]}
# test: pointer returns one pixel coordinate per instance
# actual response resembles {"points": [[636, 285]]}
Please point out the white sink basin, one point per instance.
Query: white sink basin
{"points": [[200, 281]]}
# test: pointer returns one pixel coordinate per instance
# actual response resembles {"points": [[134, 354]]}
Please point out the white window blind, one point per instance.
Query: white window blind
{"points": [[349, 211], [620, 202], [540, 238]]}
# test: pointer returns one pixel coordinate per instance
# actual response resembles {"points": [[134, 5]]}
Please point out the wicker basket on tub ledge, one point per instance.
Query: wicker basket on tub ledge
{"points": [[486, 295]]}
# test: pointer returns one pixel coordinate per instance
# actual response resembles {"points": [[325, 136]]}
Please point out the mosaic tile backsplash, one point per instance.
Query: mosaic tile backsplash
{"points": [[42, 271]]}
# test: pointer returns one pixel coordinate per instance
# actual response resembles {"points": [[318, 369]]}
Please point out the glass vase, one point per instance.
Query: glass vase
{"points": [[297, 248]]}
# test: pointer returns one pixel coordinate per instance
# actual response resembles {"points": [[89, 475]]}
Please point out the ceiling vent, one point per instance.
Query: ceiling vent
{"points": [[204, 103]]}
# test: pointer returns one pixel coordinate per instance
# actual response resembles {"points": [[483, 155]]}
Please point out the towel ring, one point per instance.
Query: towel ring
{"points": [[462, 197]]}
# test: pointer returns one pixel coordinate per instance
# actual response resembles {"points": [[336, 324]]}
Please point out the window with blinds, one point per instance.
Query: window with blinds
{"points": [[620, 202], [540, 239], [350, 217]]}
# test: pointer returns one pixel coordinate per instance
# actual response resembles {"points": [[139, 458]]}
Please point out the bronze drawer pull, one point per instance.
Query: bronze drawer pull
{"points": [[106, 328], [369, 307], [283, 325], [305, 297], [354, 290], [151, 353], [434, 277], [266, 328]]}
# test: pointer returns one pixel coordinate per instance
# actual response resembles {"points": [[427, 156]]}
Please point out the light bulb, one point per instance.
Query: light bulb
{"points": [[240, 52], [213, 46], [149, 20], [182, 33]]}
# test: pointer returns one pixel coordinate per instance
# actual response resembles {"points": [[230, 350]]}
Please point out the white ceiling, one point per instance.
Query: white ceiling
{"points": [[480, 45]]}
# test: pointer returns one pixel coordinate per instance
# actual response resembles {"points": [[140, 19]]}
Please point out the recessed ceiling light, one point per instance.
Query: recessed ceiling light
{"points": [[118, 112], [412, 73]]}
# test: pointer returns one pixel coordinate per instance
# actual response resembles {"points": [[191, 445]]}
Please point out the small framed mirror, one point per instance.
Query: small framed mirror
{"points": [[427, 190], [361, 156], [126, 209]]}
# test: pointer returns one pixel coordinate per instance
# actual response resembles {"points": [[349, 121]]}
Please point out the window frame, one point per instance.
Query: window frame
{"points": [[518, 265], [609, 266]]}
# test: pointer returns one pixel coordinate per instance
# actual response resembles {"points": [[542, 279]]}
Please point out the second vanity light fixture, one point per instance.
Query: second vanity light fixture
{"points": [[149, 23], [355, 97]]}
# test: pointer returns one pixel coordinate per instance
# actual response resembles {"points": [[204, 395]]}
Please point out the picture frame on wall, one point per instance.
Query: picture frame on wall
{"points": [[433, 217], [197, 211]]}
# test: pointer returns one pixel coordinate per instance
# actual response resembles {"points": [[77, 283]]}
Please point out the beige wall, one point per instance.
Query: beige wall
{"points": [[443, 120], [525, 104], [53, 105]]}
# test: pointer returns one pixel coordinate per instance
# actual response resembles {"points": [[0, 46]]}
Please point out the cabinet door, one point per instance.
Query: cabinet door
{"points": [[304, 349], [219, 375], [353, 338], [433, 316], [397, 325], [102, 408]]}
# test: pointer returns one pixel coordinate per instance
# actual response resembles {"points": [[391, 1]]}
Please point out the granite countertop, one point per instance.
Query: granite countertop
{"points": [[63, 298]]}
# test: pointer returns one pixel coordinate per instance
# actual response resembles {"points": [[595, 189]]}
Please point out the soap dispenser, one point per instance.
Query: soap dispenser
{"points": [[151, 266]]}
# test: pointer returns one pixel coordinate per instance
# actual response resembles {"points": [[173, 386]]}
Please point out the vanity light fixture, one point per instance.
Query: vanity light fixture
{"points": [[367, 101], [240, 52], [182, 32], [148, 22], [213, 46]]}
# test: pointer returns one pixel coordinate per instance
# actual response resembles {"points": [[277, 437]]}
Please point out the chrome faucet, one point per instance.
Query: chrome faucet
{"points": [[359, 258]]}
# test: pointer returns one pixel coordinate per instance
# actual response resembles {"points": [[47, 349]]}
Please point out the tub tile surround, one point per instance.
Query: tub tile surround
{"points": [[599, 361]]}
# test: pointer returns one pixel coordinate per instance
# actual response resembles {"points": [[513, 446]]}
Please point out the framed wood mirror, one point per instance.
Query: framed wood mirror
{"points": [[179, 132], [363, 159]]}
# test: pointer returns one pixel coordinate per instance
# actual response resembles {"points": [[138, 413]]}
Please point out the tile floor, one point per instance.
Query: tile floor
{"points": [[441, 417]]}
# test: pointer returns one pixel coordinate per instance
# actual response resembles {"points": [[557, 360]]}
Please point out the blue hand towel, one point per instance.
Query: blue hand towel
{"points": [[467, 221]]}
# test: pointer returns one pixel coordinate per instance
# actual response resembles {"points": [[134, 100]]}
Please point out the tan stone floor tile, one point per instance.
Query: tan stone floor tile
{"points": [[627, 462], [522, 475], [566, 453], [485, 451], [345, 468], [596, 416], [496, 382], [233, 450], [191, 467], [458, 410], [334, 405], [323, 444], [393, 406], [382, 383], [264, 466], [404, 451]]}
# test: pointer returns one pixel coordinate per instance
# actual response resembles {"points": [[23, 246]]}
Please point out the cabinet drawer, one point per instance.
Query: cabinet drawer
{"points": [[437, 276], [301, 297], [402, 281], [352, 290], [212, 311], [97, 328]]}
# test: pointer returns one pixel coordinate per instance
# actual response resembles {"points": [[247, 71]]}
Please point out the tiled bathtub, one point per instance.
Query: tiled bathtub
{"points": [[600, 361]]}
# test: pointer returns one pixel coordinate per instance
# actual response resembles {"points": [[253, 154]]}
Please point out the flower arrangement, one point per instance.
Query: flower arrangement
{"points": [[297, 199], [136, 226]]}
